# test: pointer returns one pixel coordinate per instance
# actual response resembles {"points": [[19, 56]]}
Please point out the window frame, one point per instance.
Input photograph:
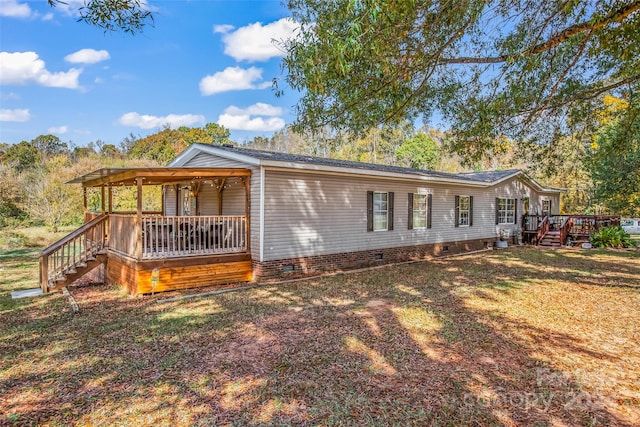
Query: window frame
{"points": [[504, 211], [421, 214], [377, 212], [460, 211], [546, 211]]}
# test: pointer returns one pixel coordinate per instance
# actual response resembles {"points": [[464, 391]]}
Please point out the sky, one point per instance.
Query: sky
{"points": [[203, 61]]}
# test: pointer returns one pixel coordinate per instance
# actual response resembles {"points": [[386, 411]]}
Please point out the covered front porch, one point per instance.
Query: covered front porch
{"points": [[199, 234]]}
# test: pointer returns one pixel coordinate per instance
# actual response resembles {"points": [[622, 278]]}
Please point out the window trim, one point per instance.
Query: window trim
{"points": [[380, 211], [371, 212], [505, 211], [459, 211], [412, 211]]}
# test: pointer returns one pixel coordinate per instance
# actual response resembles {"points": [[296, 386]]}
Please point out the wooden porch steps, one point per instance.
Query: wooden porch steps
{"points": [[551, 239], [78, 271]]}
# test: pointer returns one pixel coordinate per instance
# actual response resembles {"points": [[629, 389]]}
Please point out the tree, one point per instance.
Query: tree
{"points": [[524, 70], [21, 156], [420, 152], [211, 133], [130, 16], [615, 165]]}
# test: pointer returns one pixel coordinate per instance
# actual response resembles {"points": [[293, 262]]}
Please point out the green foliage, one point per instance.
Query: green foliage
{"points": [[129, 16], [615, 166], [21, 156], [363, 64], [611, 237], [165, 145], [420, 152]]}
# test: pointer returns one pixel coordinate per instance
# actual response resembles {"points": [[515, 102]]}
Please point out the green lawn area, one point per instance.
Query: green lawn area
{"points": [[521, 336]]}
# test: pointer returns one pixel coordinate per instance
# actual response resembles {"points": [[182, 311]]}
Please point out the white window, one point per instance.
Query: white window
{"points": [[464, 210], [419, 211], [506, 211], [380, 211], [546, 207]]}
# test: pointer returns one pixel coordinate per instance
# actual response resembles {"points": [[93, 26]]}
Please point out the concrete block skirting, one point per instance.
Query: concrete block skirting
{"points": [[313, 265]]}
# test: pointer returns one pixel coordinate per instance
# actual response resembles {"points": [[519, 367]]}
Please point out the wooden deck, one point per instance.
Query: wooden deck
{"points": [[553, 230], [177, 273], [178, 252]]}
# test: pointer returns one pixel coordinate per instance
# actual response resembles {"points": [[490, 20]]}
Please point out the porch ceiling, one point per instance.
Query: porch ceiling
{"points": [[152, 176]]}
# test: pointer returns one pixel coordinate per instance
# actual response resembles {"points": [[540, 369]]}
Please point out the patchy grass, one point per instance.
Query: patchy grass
{"points": [[31, 237], [515, 337]]}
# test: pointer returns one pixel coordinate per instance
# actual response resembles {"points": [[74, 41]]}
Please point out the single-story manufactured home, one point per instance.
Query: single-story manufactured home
{"points": [[234, 214]]}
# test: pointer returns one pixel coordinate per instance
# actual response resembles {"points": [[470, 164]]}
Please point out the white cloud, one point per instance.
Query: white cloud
{"points": [[13, 9], [16, 115], [236, 118], [20, 68], [225, 28], [255, 42], [258, 109], [145, 121], [233, 78], [87, 56], [58, 129]]}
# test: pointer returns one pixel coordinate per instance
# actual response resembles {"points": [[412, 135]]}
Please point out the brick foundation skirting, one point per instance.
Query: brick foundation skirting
{"points": [[313, 265]]}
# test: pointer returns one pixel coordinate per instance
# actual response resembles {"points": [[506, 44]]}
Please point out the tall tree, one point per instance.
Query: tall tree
{"points": [[615, 164], [522, 69], [420, 152]]}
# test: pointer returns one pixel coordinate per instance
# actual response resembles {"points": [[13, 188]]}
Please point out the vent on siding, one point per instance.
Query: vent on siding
{"points": [[378, 257], [445, 248]]}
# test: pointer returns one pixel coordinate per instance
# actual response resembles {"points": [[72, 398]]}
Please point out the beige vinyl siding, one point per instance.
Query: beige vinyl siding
{"points": [[318, 214], [206, 160], [234, 200], [170, 207], [208, 199]]}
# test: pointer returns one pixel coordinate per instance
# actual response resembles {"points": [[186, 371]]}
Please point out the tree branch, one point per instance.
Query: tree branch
{"points": [[615, 16]]}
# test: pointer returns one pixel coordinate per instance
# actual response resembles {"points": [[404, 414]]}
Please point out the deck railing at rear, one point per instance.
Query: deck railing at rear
{"points": [[75, 249]]}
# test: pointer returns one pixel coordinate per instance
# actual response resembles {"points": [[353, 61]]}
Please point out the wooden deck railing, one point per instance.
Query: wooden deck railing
{"points": [[192, 235], [176, 236], [122, 233], [76, 248], [567, 225], [543, 228]]}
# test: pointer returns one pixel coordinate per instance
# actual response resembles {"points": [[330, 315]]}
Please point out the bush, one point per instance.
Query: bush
{"points": [[611, 237]]}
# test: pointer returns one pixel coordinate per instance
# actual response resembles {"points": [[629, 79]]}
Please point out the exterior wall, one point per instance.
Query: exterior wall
{"points": [[170, 206], [234, 199], [312, 214], [318, 264]]}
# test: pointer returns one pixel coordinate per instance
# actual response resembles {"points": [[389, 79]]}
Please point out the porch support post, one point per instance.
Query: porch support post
{"points": [[102, 201], [110, 199], [247, 210], [139, 220], [220, 189], [84, 202]]}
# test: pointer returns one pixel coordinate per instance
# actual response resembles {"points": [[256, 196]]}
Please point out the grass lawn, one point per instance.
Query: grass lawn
{"points": [[520, 336]]}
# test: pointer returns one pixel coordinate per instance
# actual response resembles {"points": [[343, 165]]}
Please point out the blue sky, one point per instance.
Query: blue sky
{"points": [[203, 61]]}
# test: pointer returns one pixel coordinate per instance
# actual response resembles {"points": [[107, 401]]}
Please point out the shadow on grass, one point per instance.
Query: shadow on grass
{"points": [[399, 346]]}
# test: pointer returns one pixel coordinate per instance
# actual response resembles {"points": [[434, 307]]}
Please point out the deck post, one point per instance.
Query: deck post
{"points": [[247, 210], [139, 220], [110, 198], [102, 201], [84, 202]]}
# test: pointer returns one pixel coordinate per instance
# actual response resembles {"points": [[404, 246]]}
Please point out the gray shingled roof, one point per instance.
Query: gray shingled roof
{"points": [[486, 177]]}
